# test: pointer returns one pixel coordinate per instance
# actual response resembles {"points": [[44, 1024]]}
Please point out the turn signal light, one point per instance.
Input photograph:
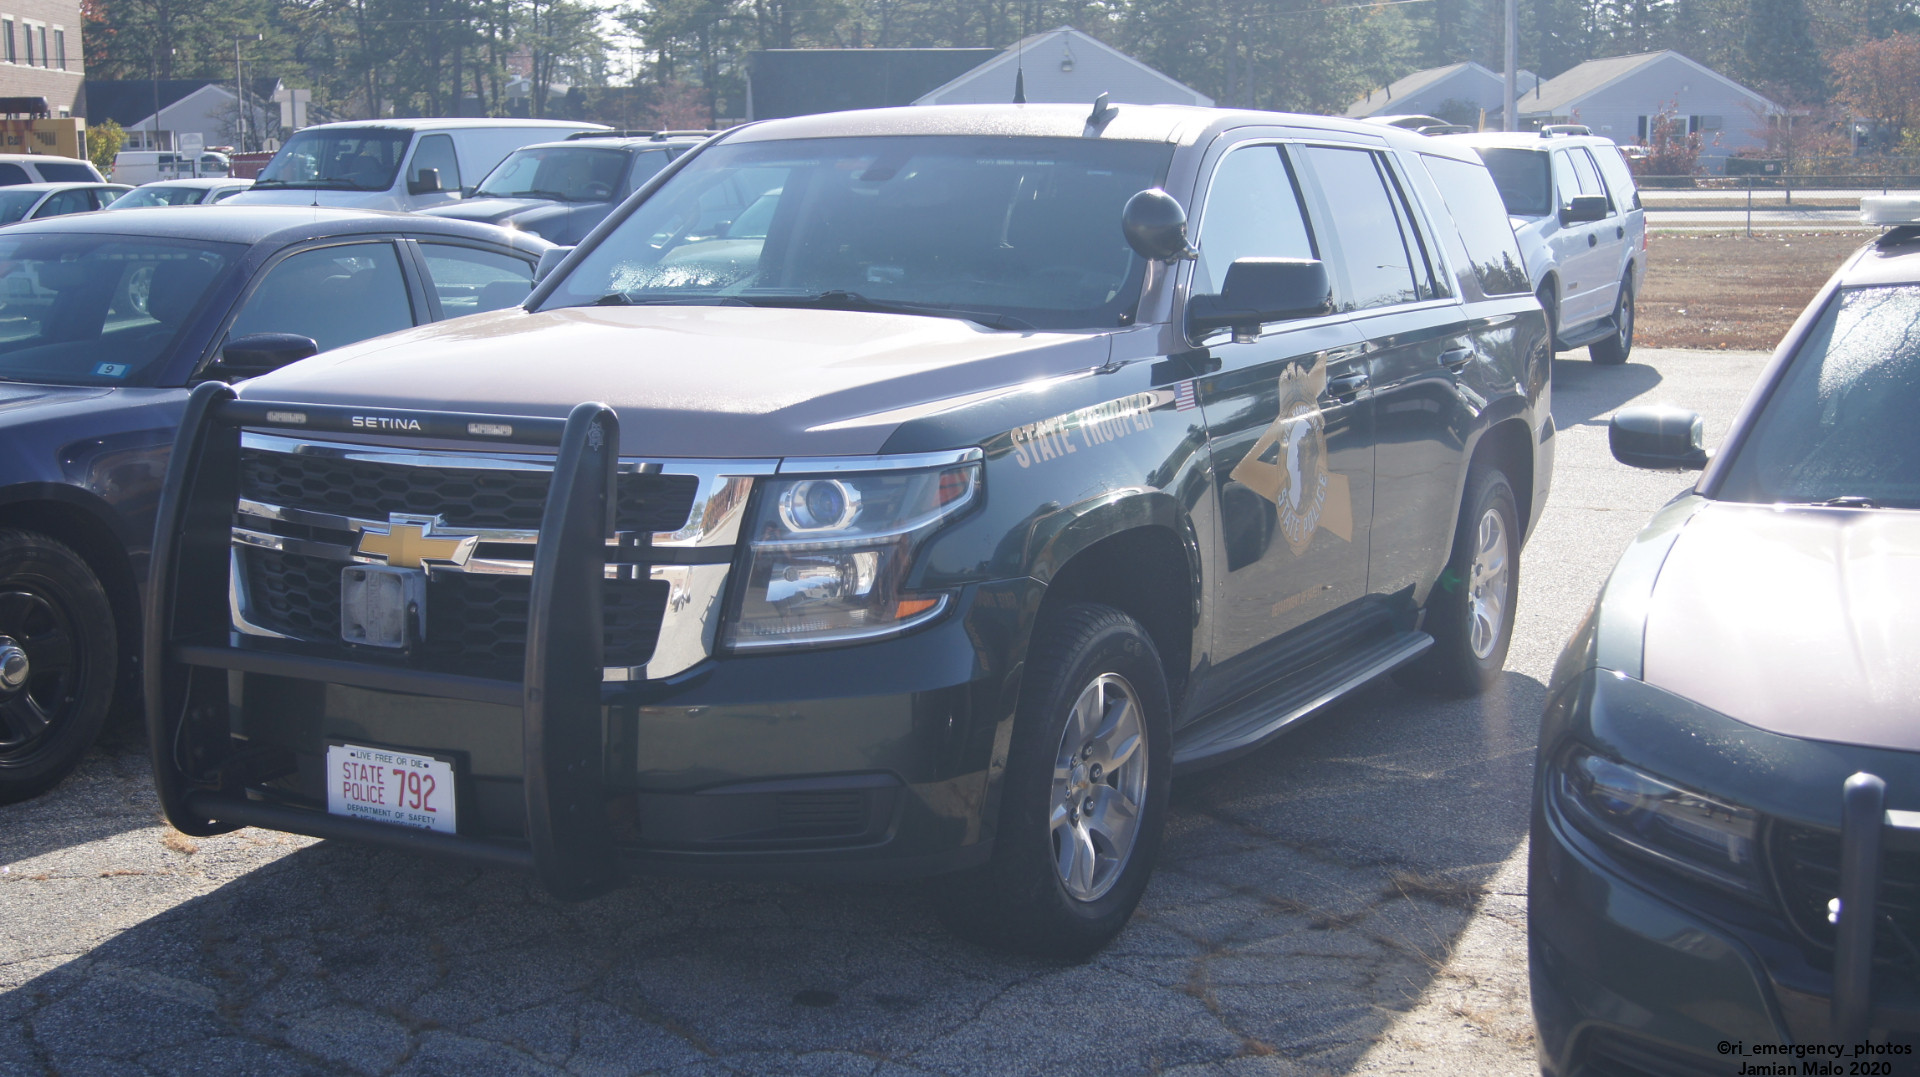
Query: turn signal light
{"points": [[912, 607]]}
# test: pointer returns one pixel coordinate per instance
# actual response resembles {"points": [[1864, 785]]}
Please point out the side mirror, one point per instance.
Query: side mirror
{"points": [[1584, 209], [1262, 290], [550, 260], [1658, 437], [426, 181], [1156, 226], [261, 353]]}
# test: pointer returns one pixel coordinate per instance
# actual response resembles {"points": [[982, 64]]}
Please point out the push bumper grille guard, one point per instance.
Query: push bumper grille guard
{"points": [[200, 778], [1866, 827]]}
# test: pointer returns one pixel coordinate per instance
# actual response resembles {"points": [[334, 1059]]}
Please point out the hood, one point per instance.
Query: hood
{"points": [[275, 196], [497, 210], [1801, 621], [692, 381], [16, 397]]}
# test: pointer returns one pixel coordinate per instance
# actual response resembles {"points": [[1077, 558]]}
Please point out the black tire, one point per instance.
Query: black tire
{"points": [[1458, 664], [54, 611], [1019, 900], [1550, 302], [1614, 350]]}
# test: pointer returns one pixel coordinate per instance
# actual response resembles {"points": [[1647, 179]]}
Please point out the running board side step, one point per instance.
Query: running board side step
{"points": [[1600, 330], [1247, 724]]}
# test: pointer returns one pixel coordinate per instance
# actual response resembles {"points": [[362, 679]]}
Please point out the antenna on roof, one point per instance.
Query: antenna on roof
{"points": [[1020, 65], [1102, 112]]}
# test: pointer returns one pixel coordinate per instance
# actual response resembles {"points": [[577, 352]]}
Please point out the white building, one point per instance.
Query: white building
{"points": [[1458, 92], [1064, 66], [155, 112], [1619, 96]]}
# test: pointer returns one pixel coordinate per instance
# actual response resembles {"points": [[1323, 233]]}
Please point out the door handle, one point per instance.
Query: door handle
{"points": [[1455, 358], [1619, 232], [1346, 385], [1593, 240]]}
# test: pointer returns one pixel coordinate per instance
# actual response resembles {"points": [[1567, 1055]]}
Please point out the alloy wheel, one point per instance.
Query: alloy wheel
{"points": [[1488, 583], [1099, 784]]}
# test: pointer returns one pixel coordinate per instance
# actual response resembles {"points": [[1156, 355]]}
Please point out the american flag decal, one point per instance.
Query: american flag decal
{"points": [[1183, 396]]}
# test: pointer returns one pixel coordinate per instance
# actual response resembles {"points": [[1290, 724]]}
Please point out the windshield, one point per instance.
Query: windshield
{"points": [[98, 310], [15, 204], [1020, 230], [564, 173], [345, 158], [1840, 422], [160, 196], [1522, 178]]}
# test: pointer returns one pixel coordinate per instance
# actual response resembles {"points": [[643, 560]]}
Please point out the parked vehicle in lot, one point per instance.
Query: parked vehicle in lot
{"points": [[930, 523], [394, 164], [1726, 823], [186, 192], [149, 166], [104, 322], [560, 190], [1422, 124], [45, 168], [1577, 214], [34, 201]]}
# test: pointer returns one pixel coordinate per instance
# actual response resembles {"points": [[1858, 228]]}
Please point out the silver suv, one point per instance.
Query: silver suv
{"points": [[1577, 215]]}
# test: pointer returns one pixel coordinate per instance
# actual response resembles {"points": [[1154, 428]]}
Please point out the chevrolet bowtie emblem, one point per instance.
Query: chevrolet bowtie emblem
{"points": [[410, 542]]}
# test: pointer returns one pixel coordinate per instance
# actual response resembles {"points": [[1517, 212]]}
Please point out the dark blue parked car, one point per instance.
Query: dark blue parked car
{"points": [[105, 320]]}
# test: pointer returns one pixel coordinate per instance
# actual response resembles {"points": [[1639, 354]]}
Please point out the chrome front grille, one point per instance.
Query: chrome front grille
{"points": [[509, 497], [303, 505]]}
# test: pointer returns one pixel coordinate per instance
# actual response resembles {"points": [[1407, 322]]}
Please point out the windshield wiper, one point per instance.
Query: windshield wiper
{"points": [[551, 196], [622, 299], [1850, 501], [839, 299], [312, 184]]}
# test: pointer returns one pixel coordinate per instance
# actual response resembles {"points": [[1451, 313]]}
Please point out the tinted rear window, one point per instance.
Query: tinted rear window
{"points": [[55, 172], [1522, 178], [12, 174], [1481, 216]]}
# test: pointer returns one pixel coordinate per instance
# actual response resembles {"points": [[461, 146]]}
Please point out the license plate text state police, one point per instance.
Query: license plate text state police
{"points": [[386, 786]]}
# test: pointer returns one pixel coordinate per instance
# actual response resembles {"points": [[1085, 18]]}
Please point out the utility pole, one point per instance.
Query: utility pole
{"points": [[1510, 99], [240, 88]]}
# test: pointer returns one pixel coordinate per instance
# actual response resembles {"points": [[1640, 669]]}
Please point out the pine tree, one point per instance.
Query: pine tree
{"points": [[1779, 53]]}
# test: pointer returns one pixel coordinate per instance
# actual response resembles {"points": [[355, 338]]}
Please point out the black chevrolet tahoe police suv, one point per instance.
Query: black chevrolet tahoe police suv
{"points": [[877, 494]]}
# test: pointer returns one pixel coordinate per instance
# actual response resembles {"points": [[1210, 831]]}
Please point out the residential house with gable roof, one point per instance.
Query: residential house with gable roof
{"points": [[1619, 96], [1456, 92]]}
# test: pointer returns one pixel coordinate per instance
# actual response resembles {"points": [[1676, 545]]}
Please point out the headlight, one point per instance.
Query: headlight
{"points": [[829, 556], [1624, 807]]}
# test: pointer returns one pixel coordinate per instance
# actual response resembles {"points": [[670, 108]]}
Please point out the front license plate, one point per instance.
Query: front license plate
{"points": [[390, 787]]}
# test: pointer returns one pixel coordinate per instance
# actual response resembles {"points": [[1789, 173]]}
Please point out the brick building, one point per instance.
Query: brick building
{"points": [[40, 52]]}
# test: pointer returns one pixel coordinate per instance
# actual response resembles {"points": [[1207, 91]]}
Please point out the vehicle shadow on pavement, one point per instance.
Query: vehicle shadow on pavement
{"points": [[111, 792], [1309, 894], [1583, 390]]}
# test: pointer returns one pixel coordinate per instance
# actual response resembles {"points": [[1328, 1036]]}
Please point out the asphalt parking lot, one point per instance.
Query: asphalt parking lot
{"points": [[1349, 900]]}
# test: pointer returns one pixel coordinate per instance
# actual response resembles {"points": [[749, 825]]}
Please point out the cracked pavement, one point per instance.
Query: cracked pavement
{"points": [[1350, 899]]}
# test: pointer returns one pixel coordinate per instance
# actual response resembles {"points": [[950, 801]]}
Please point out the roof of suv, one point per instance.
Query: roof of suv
{"points": [[251, 224], [1178, 124], [1894, 258], [617, 143], [65, 185], [452, 123], [1524, 140]]}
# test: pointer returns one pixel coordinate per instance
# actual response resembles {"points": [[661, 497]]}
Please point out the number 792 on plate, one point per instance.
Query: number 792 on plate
{"points": [[386, 786]]}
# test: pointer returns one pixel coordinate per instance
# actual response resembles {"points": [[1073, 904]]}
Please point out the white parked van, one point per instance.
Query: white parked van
{"points": [[43, 168], [146, 166], [394, 164]]}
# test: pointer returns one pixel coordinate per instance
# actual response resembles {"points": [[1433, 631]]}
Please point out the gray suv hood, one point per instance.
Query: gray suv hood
{"points": [[693, 381], [1798, 620]]}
